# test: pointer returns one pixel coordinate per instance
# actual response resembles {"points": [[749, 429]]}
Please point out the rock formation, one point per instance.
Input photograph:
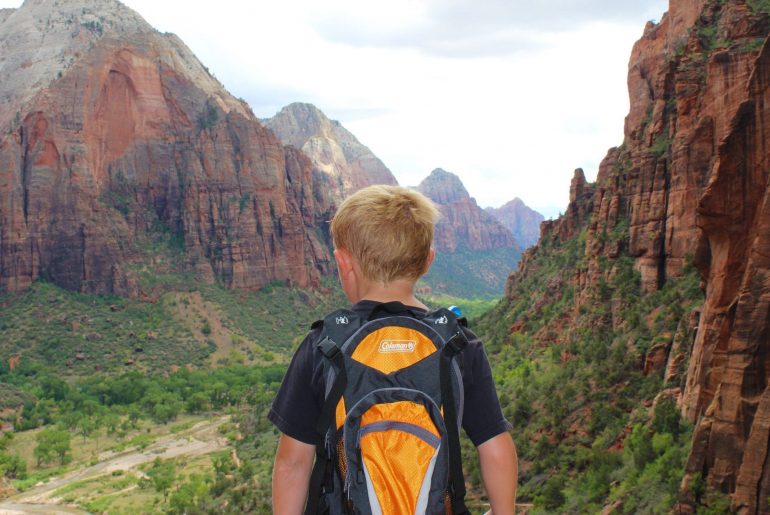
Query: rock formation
{"points": [[116, 139], [347, 164], [463, 224], [521, 220], [690, 183]]}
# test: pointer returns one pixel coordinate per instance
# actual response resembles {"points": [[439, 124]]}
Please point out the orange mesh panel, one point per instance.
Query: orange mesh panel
{"points": [[397, 461], [342, 460], [393, 348], [401, 411], [340, 414]]}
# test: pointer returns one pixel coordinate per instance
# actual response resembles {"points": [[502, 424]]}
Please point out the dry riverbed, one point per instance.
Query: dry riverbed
{"points": [[201, 439]]}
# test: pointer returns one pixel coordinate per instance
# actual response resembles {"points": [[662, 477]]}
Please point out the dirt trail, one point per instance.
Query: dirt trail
{"points": [[202, 438]]}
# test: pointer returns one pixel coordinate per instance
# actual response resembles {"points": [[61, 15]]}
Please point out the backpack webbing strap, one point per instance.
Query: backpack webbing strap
{"points": [[323, 469], [456, 479]]}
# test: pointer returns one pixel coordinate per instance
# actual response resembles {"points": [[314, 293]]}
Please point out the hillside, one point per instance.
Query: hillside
{"points": [[646, 301]]}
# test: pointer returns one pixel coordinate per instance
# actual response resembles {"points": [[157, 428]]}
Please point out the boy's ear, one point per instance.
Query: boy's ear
{"points": [[344, 260], [429, 261]]}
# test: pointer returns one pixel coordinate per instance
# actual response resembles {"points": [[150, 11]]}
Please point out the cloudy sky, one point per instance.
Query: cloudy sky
{"points": [[510, 95]]}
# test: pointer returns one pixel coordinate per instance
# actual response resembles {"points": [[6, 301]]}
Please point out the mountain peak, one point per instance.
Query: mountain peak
{"points": [[334, 150], [520, 219], [42, 39], [443, 187]]}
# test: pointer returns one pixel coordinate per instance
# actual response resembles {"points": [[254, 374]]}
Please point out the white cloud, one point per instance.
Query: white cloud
{"points": [[511, 96]]}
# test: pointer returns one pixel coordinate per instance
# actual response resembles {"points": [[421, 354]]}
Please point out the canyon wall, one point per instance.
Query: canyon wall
{"points": [[115, 139]]}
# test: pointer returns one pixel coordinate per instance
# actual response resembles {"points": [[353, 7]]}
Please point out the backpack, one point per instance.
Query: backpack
{"points": [[388, 433]]}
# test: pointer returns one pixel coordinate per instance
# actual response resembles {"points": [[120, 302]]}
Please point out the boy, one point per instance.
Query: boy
{"points": [[382, 237]]}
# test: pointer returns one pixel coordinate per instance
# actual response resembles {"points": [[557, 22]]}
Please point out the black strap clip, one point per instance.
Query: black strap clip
{"points": [[456, 344], [328, 347]]}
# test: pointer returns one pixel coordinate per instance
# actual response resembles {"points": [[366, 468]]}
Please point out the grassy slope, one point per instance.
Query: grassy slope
{"points": [[472, 274], [76, 334]]}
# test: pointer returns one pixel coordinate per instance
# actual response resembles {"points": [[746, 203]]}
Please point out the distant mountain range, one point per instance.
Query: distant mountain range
{"points": [[348, 165]]}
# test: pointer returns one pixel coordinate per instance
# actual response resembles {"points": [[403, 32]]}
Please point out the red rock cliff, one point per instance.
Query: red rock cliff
{"points": [[690, 182], [114, 133]]}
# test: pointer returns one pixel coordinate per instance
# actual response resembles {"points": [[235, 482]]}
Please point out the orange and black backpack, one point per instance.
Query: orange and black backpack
{"points": [[388, 434]]}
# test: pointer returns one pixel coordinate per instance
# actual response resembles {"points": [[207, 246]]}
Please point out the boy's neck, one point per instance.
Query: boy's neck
{"points": [[400, 290]]}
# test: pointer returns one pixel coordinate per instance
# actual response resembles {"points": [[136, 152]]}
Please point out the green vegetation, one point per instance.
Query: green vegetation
{"points": [[119, 413], [53, 329], [661, 144], [277, 317], [472, 274], [209, 117], [570, 377], [759, 6], [95, 27]]}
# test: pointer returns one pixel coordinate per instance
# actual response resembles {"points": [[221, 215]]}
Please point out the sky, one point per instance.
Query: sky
{"points": [[510, 95]]}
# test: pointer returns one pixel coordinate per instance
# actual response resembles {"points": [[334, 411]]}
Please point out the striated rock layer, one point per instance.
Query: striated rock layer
{"points": [[114, 138], [690, 184]]}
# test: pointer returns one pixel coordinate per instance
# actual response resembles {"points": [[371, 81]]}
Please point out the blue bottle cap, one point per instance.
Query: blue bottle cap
{"points": [[456, 310]]}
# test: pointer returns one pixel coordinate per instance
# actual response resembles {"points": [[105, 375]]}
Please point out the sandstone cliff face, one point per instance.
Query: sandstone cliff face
{"points": [[521, 220], [463, 224], [335, 152], [690, 182], [115, 137]]}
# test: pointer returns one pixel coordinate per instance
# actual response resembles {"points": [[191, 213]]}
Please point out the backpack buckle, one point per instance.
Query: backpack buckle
{"points": [[328, 347], [457, 343]]}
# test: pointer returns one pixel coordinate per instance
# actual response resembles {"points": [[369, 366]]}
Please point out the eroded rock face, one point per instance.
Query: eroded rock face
{"points": [[690, 183], [521, 220], [131, 144], [463, 224], [348, 164]]}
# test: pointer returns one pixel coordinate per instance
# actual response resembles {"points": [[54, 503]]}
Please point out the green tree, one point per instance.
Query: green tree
{"points": [[134, 414], [190, 495], [51, 442], [85, 427], [639, 444], [197, 402], [12, 466], [162, 474], [667, 418]]}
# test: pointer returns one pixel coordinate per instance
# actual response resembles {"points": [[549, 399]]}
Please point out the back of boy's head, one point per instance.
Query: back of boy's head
{"points": [[388, 230]]}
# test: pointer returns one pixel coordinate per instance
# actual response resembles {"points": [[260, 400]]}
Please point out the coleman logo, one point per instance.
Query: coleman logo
{"points": [[392, 346]]}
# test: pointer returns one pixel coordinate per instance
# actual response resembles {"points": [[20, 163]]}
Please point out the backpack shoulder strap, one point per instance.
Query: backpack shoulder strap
{"points": [[338, 326], [450, 327]]}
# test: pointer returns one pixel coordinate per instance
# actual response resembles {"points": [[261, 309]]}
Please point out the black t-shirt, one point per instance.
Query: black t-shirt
{"points": [[297, 406]]}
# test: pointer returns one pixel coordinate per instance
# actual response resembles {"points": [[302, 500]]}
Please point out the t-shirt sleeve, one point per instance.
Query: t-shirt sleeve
{"points": [[482, 416], [296, 406]]}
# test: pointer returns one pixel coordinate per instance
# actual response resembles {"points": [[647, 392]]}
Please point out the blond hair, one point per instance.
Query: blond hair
{"points": [[388, 230]]}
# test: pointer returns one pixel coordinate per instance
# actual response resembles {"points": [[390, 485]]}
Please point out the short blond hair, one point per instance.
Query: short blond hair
{"points": [[388, 230]]}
